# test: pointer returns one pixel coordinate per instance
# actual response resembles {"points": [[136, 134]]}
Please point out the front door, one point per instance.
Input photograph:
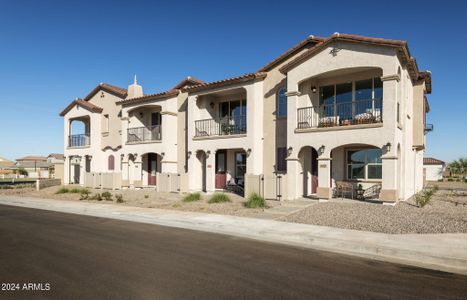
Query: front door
{"points": [[314, 171], [152, 168], [76, 173], [221, 166]]}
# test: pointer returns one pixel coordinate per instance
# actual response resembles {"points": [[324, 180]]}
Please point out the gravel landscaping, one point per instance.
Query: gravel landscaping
{"points": [[447, 213], [151, 199]]}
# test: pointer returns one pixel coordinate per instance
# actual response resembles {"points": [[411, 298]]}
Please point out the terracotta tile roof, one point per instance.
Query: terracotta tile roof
{"points": [[150, 97], [432, 161], [32, 158], [115, 90], [402, 48], [306, 43], [189, 81], [223, 82], [56, 155], [81, 102]]}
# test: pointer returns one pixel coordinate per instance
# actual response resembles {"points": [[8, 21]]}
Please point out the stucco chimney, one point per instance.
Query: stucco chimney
{"points": [[135, 90]]}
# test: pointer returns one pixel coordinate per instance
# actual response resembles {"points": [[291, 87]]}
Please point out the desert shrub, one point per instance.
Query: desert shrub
{"points": [[465, 180], [192, 197], [97, 197], [440, 180], [6, 187], [450, 179], [255, 201], [107, 196], [63, 190], [219, 198], [119, 198], [423, 197], [146, 196], [84, 194], [435, 188], [78, 190]]}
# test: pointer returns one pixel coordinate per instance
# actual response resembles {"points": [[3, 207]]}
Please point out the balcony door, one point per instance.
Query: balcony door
{"points": [[156, 122], [233, 116]]}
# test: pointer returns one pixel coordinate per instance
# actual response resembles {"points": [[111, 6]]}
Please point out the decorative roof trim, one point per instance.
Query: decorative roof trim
{"points": [[187, 81], [401, 46], [151, 97], [88, 105], [115, 90], [224, 82], [290, 52]]}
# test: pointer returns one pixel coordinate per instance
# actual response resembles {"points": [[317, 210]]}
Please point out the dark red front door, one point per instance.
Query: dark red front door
{"points": [[152, 168], [221, 166]]}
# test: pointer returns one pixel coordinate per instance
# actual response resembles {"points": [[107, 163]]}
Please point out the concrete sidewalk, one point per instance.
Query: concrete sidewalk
{"points": [[445, 252]]}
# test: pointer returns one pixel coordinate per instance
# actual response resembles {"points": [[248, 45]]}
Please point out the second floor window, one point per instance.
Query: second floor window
{"points": [[281, 103]]}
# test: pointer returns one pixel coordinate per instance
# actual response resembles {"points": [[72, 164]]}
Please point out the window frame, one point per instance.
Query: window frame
{"points": [[280, 115], [111, 162], [365, 165]]}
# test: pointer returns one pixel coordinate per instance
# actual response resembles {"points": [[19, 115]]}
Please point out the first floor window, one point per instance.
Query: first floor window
{"points": [[111, 163], [364, 164], [281, 159]]}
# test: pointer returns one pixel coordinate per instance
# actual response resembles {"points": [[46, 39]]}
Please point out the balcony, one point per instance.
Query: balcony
{"points": [[144, 134], [79, 140], [341, 114], [428, 128], [226, 126]]}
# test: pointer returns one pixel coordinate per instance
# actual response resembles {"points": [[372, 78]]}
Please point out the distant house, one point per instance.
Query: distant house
{"points": [[56, 169], [36, 166], [433, 168], [6, 166]]}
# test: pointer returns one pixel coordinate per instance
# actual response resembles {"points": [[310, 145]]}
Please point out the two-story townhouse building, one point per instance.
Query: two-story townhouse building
{"points": [[92, 133], [344, 108]]}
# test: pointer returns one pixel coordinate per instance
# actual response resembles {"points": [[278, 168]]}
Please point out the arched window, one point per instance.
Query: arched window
{"points": [[282, 103], [111, 163]]}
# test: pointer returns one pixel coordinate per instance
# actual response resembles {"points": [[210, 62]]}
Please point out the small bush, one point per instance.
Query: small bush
{"points": [[192, 197], [219, 198], [450, 179], [440, 180], [107, 196], [146, 196], [62, 190], [84, 194], [119, 198], [97, 197], [424, 197], [465, 180], [435, 188], [255, 201]]}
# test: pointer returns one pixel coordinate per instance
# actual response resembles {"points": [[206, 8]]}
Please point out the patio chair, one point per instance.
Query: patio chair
{"points": [[344, 189], [235, 187]]}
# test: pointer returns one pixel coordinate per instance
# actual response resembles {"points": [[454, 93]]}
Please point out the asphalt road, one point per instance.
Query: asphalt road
{"points": [[85, 257]]}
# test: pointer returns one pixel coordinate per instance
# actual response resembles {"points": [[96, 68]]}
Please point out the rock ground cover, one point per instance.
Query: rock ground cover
{"points": [[447, 213]]}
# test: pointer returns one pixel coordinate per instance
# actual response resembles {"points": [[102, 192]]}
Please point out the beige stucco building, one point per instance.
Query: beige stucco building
{"points": [[342, 109]]}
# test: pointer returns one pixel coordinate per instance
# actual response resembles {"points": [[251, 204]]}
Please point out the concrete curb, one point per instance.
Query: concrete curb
{"points": [[444, 252]]}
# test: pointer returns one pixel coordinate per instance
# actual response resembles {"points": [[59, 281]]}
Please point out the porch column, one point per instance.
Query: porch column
{"points": [[82, 169], [389, 191], [125, 175], [324, 190], [211, 172], [293, 178], [137, 175]]}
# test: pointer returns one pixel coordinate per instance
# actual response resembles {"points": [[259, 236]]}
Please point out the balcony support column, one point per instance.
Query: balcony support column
{"points": [[211, 172], [324, 190], [125, 175]]}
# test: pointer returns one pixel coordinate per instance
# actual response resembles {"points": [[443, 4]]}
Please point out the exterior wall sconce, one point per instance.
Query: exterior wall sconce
{"points": [[188, 154], [212, 105], [208, 153], [388, 147], [321, 149], [289, 151], [162, 154], [313, 89], [141, 114], [248, 152]]}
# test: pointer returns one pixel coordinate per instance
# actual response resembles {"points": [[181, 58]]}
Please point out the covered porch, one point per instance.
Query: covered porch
{"points": [[140, 171], [353, 171]]}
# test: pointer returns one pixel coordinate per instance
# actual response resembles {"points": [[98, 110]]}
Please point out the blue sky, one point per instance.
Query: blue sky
{"points": [[54, 51]]}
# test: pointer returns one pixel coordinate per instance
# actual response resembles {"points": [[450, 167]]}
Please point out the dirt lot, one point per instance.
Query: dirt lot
{"points": [[152, 199]]}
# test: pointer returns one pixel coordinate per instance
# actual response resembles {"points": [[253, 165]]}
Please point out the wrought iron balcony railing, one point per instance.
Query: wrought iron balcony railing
{"points": [[225, 126], [341, 114], [144, 134], [79, 140]]}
